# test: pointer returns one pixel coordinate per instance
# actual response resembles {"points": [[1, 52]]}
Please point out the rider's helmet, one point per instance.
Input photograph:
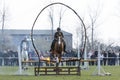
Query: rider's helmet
{"points": [[58, 29]]}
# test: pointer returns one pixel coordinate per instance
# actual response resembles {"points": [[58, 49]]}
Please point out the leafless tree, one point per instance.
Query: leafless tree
{"points": [[3, 19], [3, 14], [61, 13], [51, 12], [93, 18], [52, 16], [81, 31]]}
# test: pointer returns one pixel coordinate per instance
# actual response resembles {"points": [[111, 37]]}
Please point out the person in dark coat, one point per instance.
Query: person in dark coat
{"points": [[104, 58]]}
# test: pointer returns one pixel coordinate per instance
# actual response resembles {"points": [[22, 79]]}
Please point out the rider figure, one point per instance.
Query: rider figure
{"points": [[56, 35]]}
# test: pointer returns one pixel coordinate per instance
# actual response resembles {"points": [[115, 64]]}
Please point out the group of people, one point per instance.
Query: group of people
{"points": [[106, 57]]}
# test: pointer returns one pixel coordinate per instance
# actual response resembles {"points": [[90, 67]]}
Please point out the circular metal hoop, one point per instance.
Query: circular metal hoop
{"points": [[39, 15]]}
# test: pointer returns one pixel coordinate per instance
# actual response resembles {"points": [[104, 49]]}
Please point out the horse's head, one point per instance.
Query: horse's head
{"points": [[59, 40], [59, 45]]}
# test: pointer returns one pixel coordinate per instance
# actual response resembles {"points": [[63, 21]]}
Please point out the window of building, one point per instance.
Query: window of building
{"points": [[48, 38]]}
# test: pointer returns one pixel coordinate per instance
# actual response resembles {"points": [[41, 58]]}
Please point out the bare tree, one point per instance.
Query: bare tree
{"points": [[60, 16], [3, 19], [93, 18], [3, 14], [82, 32], [52, 16], [93, 22], [51, 12]]}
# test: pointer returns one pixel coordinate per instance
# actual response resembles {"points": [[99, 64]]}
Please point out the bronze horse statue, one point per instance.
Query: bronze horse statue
{"points": [[58, 49]]}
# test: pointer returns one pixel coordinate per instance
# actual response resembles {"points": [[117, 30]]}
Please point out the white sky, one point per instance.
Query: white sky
{"points": [[22, 13]]}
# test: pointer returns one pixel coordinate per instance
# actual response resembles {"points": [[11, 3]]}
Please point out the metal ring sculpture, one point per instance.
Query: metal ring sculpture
{"points": [[39, 15]]}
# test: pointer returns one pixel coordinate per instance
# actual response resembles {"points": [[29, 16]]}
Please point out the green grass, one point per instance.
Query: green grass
{"points": [[9, 74]]}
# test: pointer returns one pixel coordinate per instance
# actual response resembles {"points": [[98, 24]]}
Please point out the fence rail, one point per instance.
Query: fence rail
{"points": [[13, 61]]}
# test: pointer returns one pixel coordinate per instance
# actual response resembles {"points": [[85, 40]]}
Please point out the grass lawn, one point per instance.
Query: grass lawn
{"points": [[85, 74]]}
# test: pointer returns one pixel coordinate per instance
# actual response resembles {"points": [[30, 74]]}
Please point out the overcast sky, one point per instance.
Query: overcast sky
{"points": [[20, 14]]}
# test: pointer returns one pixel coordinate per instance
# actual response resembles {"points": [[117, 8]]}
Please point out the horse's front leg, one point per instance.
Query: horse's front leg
{"points": [[57, 59]]}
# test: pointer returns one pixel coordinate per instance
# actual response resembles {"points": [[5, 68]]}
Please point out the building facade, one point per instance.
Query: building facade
{"points": [[42, 38]]}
